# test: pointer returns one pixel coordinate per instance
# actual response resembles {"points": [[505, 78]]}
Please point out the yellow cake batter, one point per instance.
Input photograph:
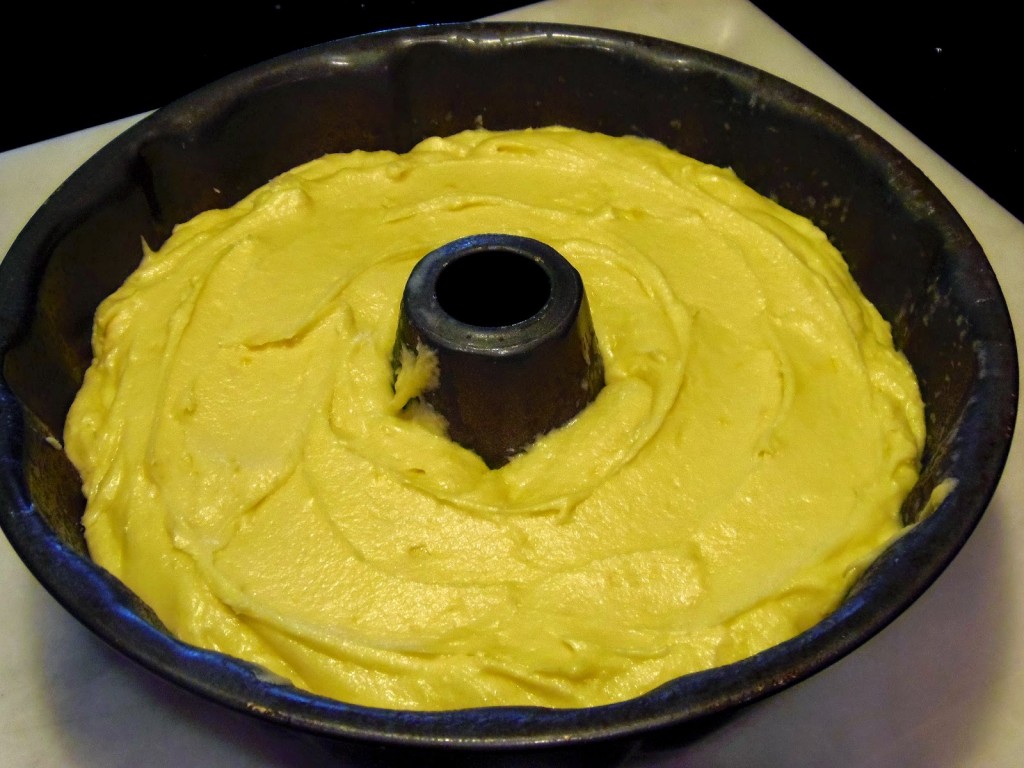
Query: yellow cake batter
{"points": [[252, 477]]}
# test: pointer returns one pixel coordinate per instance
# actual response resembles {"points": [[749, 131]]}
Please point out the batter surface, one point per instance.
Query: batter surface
{"points": [[252, 475]]}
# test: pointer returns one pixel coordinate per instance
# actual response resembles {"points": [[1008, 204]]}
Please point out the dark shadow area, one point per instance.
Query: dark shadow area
{"points": [[84, 64], [946, 73]]}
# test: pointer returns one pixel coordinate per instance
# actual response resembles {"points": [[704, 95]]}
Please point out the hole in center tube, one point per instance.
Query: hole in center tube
{"points": [[493, 288]]}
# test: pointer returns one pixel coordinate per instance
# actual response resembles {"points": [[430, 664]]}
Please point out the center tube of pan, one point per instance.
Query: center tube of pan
{"points": [[508, 322]]}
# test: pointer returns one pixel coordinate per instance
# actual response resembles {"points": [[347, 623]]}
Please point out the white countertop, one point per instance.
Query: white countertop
{"points": [[942, 686]]}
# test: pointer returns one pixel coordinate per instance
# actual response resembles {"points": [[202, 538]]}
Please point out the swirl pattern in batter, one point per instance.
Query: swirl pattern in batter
{"points": [[250, 476]]}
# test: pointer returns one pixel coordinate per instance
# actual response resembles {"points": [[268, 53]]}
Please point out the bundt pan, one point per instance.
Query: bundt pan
{"points": [[907, 247]]}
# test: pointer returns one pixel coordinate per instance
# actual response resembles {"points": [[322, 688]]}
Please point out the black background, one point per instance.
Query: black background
{"points": [[952, 77]]}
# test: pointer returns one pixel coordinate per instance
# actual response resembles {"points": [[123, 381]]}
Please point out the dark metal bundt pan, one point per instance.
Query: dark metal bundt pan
{"points": [[906, 245]]}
